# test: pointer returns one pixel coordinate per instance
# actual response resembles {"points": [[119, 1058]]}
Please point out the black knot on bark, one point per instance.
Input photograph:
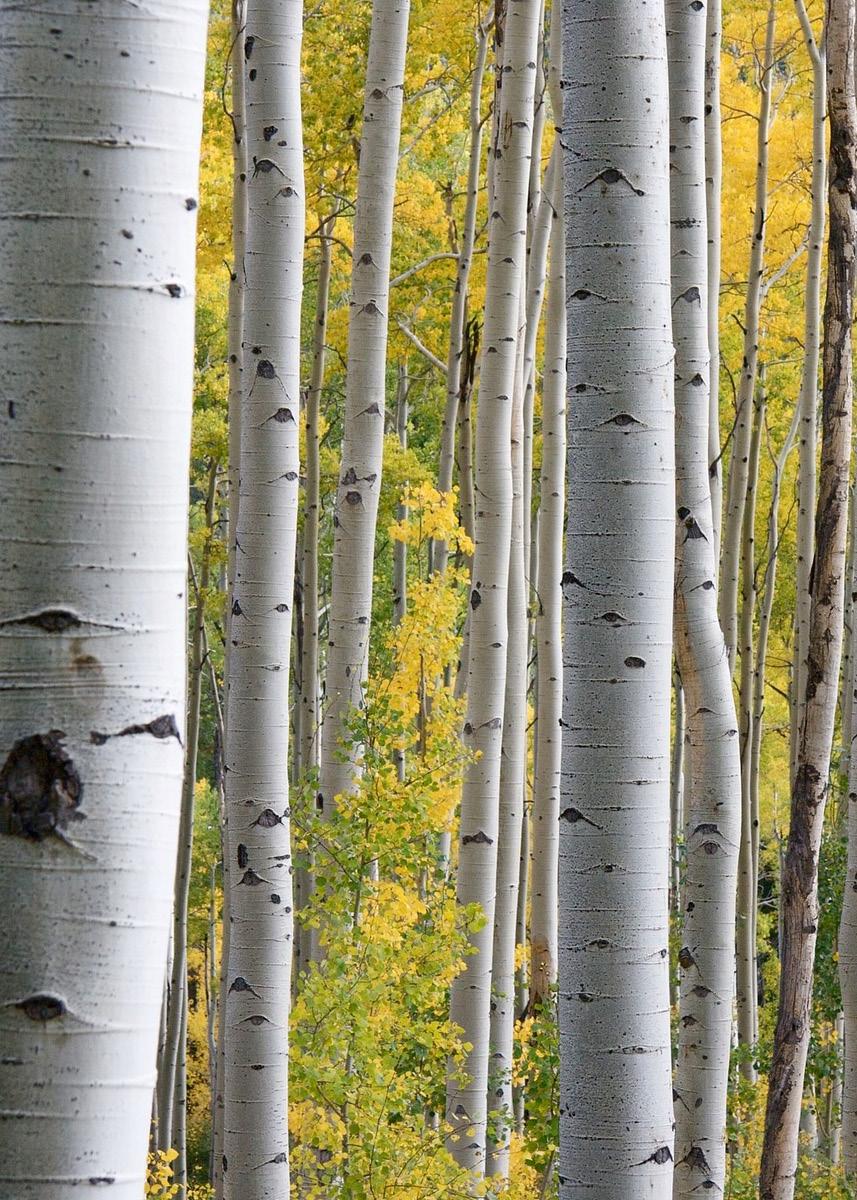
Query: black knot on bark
{"points": [[40, 788]]}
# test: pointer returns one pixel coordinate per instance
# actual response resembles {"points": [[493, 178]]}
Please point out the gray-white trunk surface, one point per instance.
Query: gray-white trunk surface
{"points": [[100, 122], [257, 980], [712, 795], [615, 1107], [470, 1000]]}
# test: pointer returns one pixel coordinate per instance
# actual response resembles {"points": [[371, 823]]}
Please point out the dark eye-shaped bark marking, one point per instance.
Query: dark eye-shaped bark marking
{"points": [[612, 176], [480, 839], [573, 815], [40, 788], [161, 728]]}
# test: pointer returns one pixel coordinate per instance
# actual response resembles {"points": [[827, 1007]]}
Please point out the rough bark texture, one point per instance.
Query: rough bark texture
{"points": [[712, 798], [615, 1075], [799, 887], [359, 488], [97, 242], [483, 729], [258, 976]]}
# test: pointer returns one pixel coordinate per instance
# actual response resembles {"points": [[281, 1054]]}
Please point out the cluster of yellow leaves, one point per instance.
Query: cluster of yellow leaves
{"points": [[159, 1175]]}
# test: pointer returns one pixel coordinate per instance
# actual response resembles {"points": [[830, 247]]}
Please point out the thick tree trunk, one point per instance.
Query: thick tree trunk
{"points": [[713, 795], [258, 974], [807, 447], [740, 451], [359, 487], [616, 1102], [97, 244], [483, 730], [799, 887]]}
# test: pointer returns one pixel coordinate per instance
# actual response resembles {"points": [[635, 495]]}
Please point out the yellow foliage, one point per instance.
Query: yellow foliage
{"points": [[159, 1175]]}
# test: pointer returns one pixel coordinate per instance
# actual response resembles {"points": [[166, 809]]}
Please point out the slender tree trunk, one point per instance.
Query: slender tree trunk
{"points": [[848, 934], [615, 1102], [483, 730], [235, 333], [513, 775], [677, 789], [310, 661], [713, 189], [713, 797], [746, 990], [258, 977], [807, 447], [799, 888], [740, 453], [456, 359], [170, 1087], [97, 243], [548, 752], [359, 487]]}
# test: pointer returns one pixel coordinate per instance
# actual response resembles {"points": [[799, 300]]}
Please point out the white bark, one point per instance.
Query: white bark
{"points": [[456, 358], [548, 752], [746, 983], [713, 189], [712, 798], [483, 729], [513, 773], [235, 330], [615, 1072], [807, 443], [356, 514], [740, 449], [258, 975], [96, 327]]}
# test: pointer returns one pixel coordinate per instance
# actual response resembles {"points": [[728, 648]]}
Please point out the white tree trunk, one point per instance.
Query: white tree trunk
{"points": [[807, 447], [235, 330], [548, 752], [740, 449], [356, 514], [616, 1119], [483, 730], [97, 301], [258, 976], [746, 981], [799, 886], [712, 798], [456, 358], [513, 773], [713, 189]]}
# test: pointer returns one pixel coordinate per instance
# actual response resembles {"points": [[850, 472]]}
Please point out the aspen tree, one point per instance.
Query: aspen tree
{"points": [[736, 494], [359, 485], [483, 730], [235, 330], [258, 974], [712, 796], [746, 985], [799, 886], [713, 190], [97, 300], [457, 354], [615, 1116], [546, 782], [807, 441]]}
